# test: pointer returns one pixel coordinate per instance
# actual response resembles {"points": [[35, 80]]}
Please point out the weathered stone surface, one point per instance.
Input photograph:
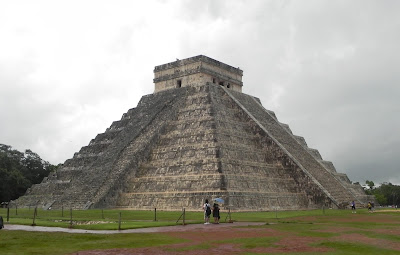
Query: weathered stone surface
{"points": [[202, 140], [196, 70]]}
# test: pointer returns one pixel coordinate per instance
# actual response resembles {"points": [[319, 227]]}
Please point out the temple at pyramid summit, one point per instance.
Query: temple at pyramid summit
{"points": [[196, 137]]}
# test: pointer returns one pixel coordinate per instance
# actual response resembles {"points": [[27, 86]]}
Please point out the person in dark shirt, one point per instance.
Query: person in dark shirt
{"points": [[216, 213], [1, 222]]}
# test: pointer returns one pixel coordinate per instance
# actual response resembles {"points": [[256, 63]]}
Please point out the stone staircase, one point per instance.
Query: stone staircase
{"points": [[210, 150], [90, 178], [182, 168], [181, 146], [307, 160]]}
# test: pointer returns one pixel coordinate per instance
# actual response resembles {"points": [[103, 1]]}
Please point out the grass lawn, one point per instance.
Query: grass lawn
{"points": [[98, 219], [109, 219], [291, 232], [24, 242]]}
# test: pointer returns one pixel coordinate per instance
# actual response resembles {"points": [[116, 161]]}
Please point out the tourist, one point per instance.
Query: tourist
{"points": [[207, 212], [216, 213], [369, 207], [353, 207]]}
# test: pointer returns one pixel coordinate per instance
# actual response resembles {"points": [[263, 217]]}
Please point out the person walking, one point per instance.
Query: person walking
{"points": [[216, 213], [207, 212], [353, 207]]}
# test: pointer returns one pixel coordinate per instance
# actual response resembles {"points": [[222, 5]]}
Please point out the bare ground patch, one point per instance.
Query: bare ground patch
{"points": [[211, 239], [359, 238]]}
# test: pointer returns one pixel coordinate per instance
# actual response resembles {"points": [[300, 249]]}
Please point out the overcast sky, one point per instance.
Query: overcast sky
{"points": [[329, 69]]}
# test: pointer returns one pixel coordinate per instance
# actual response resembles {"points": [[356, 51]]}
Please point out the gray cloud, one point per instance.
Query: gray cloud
{"points": [[329, 69]]}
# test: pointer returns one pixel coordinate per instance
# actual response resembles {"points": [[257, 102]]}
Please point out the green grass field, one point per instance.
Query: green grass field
{"points": [[326, 232], [109, 219], [98, 219]]}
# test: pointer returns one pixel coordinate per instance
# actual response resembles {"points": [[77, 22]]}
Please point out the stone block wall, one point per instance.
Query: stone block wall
{"points": [[213, 149], [181, 146], [196, 71], [93, 176], [308, 162]]}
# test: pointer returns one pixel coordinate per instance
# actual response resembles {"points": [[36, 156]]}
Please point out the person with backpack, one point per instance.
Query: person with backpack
{"points": [[207, 212]]}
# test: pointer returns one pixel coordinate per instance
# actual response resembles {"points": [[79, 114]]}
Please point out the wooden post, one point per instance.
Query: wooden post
{"points": [[62, 210], [16, 209], [155, 214], [183, 222], [70, 214], [119, 222], [34, 217], [8, 213]]}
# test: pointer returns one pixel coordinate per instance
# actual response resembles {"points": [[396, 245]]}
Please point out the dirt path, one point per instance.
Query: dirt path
{"points": [[177, 228]]}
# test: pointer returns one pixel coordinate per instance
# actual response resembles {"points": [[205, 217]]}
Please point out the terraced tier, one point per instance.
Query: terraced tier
{"points": [[181, 146]]}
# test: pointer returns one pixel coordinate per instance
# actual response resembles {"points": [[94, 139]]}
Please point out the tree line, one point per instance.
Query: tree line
{"points": [[385, 194], [19, 171]]}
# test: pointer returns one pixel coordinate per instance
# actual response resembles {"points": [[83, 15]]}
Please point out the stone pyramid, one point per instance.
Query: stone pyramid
{"points": [[196, 137]]}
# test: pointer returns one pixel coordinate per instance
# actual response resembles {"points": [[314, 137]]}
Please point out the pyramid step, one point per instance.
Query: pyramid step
{"points": [[203, 140]]}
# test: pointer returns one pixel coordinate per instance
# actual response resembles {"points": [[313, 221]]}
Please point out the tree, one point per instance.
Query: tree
{"points": [[381, 199], [370, 184], [12, 180], [386, 194], [36, 168], [18, 171]]}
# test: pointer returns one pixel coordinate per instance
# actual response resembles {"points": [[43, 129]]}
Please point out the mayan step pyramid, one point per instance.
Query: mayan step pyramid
{"points": [[196, 137]]}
